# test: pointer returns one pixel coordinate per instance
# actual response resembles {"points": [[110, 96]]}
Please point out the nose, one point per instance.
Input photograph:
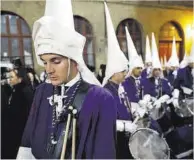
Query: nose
{"points": [[49, 69]]}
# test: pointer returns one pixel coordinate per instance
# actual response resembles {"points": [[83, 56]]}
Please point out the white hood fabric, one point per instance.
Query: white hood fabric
{"points": [[173, 60], [155, 56], [55, 33], [148, 54], [184, 62], [191, 56], [134, 59], [116, 60]]}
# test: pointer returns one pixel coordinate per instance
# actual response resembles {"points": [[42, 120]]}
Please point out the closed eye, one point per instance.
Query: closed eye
{"points": [[56, 60]]}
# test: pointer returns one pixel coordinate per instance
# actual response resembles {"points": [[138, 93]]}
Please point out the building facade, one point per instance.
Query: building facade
{"points": [[165, 19]]}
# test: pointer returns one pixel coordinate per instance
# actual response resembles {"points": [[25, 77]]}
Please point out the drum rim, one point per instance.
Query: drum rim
{"points": [[188, 109], [139, 129]]}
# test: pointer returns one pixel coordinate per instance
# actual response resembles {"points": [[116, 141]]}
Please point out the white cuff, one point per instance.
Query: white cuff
{"points": [[175, 93], [25, 153], [147, 98], [120, 125], [164, 98]]}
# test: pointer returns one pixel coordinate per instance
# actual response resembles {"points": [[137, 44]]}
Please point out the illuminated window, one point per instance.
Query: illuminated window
{"points": [[167, 31], [134, 29], [15, 39]]}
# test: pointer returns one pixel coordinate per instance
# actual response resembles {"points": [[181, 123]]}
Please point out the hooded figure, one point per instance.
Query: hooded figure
{"points": [[71, 93], [183, 89], [173, 64], [132, 83], [184, 82], [156, 86], [148, 60], [115, 74], [114, 53]]}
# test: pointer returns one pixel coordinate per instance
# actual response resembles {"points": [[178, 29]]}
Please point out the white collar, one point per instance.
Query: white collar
{"points": [[136, 78], [73, 81]]}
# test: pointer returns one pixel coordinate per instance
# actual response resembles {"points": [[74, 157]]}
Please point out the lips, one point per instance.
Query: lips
{"points": [[53, 78]]}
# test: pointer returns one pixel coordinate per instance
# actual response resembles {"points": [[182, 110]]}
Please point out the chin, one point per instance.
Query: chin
{"points": [[56, 83]]}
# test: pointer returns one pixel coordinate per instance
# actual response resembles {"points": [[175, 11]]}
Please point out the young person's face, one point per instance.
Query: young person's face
{"points": [[137, 71], [56, 67], [13, 78], [119, 77], [156, 72]]}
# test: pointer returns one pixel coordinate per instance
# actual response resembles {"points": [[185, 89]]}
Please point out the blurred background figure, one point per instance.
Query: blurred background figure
{"points": [[17, 109], [17, 63], [92, 69], [101, 73], [34, 79], [43, 76]]}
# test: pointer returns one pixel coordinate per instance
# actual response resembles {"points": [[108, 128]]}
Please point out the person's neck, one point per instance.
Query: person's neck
{"points": [[135, 77], [156, 77], [73, 80]]}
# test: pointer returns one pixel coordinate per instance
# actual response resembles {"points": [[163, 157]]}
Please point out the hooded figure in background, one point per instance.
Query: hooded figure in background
{"points": [[156, 86], [73, 92], [172, 64], [181, 139], [148, 60], [115, 75], [132, 83], [183, 87]]}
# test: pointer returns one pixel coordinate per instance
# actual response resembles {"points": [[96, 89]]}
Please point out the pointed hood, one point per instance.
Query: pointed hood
{"points": [[155, 56], [134, 59], [148, 54], [116, 60], [173, 61], [162, 62], [184, 62], [191, 56], [165, 61], [51, 34]]}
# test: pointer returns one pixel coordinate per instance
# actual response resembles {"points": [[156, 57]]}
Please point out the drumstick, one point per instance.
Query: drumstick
{"points": [[136, 119], [147, 141], [74, 135], [66, 134]]}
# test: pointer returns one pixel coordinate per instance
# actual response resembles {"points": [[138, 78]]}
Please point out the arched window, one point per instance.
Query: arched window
{"points": [[15, 39], [167, 31], [134, 29], [84, 27]]}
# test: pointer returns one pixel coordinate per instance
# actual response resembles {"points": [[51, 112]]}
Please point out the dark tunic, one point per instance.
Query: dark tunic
{"points": [[19, 105]]}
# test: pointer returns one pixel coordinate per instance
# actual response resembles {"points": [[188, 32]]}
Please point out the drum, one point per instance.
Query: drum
{"points": [[180, 141], [144, 122], [163, 117], [146, 143], [185, 107]]}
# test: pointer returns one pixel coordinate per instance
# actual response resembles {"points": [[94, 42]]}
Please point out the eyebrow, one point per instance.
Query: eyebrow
{"points": [[53, 58]]}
